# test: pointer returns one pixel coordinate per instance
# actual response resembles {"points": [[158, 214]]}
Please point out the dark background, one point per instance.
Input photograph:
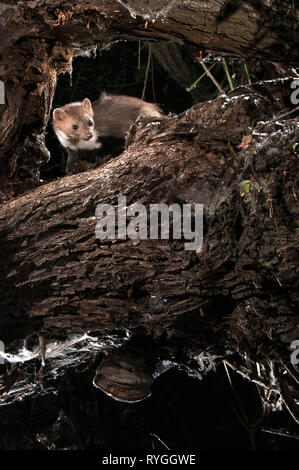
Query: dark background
{"points": [[184, 412]]}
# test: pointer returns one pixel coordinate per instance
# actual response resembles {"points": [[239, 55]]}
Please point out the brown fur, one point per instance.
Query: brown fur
{"points": [[111, 116], [114, 114], [79, 114]]}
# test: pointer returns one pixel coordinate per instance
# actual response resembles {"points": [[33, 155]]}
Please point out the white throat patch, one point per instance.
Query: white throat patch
{"points": [[82, 144], [62, 137], [89, 144]]}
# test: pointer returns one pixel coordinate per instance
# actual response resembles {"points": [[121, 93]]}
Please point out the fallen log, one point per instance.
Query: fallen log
{"points": [[235, 297]]}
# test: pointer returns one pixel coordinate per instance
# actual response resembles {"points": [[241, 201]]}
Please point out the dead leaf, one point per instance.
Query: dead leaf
{"points": [[246, 141]]}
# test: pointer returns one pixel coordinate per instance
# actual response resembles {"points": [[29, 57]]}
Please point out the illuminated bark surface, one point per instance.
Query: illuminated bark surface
{"points": [[39, 39]]}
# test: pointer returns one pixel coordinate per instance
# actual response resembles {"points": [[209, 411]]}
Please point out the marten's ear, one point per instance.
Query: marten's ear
{"points": [[86, 105], [58, 114]]}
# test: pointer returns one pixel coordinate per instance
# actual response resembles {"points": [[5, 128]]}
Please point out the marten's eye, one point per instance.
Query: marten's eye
{"points": [[75, 127], [90, 123]]}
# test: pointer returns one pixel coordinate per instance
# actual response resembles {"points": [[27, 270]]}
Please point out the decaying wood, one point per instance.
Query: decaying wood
{"points": [[237, 295], [39, 39]]}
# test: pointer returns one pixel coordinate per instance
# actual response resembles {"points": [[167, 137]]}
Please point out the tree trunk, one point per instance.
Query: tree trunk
{"points": [[236, 297]]}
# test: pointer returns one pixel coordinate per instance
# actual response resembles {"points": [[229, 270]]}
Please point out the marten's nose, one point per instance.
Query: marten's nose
{"points": [[88, 136]]}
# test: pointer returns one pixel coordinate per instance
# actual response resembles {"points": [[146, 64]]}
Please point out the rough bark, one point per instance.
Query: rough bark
{"points": [[179, 66], [236, 297], [39, 38]]}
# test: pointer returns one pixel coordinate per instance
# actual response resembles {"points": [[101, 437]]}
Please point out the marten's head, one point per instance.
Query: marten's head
{"points": [[74, 124]]}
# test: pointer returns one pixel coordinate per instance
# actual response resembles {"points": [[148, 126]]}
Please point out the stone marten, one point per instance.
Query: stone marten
{"points": [[80, 125]]}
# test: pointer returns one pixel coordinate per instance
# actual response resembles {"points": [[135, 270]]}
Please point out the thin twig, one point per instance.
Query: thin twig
{"points": [[237, 212], [286, 114], [139, 55], [292, 373], [147, 69], [152, 78], [160, 440], [199, 78], [211, 76], [229, 78], [279, 433], [285, 393], [247, 73], [235, 393]]}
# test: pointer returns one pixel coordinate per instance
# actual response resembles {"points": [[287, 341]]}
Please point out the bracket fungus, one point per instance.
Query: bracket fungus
{"points": [[125, 375]]}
